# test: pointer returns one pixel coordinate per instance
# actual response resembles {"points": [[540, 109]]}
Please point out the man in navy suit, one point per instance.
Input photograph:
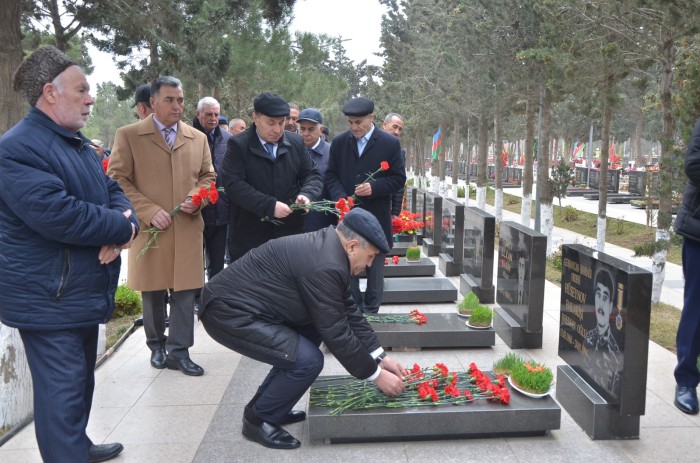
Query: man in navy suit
{"points": [[354, 155]]}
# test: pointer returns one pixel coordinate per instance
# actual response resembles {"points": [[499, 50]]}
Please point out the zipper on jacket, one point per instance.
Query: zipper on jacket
{"points": [[64, 275]]}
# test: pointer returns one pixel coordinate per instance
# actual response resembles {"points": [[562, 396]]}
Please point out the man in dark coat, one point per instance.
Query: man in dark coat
{"points": [[63, 223], [354, 155], [393, 124], [687, 224], [280, 301], [310, 125], [264, 171], [216, 216]]}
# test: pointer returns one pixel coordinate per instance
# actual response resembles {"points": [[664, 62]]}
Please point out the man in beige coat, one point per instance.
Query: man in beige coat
{"points": [[160, 163]]}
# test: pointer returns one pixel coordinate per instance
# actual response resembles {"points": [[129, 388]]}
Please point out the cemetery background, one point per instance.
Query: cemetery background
{"points": [[133, 401]]}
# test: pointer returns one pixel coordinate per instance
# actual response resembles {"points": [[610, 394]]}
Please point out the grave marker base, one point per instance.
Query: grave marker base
{"points": [[599, 419], [429, 248], [467, 284], [416, 290], [424, 268], [448, 266], [522, 417], [512, 333], [443, 330]]}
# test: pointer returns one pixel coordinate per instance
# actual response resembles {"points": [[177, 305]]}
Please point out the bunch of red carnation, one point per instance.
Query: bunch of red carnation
{"points": [[498, 391], [206, 196], [406, 223], [419, 317], [343, 206]]}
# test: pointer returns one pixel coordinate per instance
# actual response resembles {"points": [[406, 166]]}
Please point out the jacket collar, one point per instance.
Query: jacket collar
{"points": [[76, 139]]}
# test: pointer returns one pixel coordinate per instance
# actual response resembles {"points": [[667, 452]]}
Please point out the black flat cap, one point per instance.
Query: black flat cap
{"points": [[223, 120], [142, 95], [358, 107], [271, 105], [366, 225]]}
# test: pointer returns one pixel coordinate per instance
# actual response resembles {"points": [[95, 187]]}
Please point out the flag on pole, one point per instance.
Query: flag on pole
{"points": [[437, 141]]}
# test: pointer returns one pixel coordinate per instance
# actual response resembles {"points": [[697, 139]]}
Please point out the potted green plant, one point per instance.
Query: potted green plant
{"points": [[480, 318], [531, 378], [413, 254], [468, 304], [505, 365]]}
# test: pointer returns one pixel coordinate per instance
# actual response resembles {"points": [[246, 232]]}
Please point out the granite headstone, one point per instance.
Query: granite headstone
{"points": [[477, 264], [432, 232], [450, 263], [520, 286]]}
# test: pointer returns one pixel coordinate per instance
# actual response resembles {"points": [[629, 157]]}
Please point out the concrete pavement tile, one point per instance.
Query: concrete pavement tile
{"points": [[679, 445], [164, 425], [174, 388], [175, 452], [103, 421], [20, 456], [120, 392]]}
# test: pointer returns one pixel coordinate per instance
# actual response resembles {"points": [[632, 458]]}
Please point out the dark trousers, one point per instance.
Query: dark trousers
{"points": [[214, 248], [688, 337], [181, 332], [375, 286], [287, 381], [62, 364]]}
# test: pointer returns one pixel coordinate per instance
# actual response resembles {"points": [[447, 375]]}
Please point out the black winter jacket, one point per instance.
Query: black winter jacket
{"points": [[290, 282], [687, 221]]}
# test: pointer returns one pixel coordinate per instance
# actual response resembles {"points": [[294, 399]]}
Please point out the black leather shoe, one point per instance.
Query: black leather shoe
{"points": [[294, 416], [185, 365], [686, 400], [269, 435], [158, 359], [104, 452]]}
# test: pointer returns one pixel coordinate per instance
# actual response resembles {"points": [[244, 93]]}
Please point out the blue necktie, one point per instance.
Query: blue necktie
{"points": [[270, 148]]}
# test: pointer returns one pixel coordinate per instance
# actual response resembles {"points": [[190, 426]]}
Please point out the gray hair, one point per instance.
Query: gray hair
{"points": [[390, 116], [350, 234], [293, 106], [207, 101], [168, 81]]}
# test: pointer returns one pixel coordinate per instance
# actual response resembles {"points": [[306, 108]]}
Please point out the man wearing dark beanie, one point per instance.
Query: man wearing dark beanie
{"points": [[278, 303], [63, 223]]}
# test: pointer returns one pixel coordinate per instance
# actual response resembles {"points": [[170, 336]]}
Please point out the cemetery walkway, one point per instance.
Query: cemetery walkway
{"points": [[164, 416]]}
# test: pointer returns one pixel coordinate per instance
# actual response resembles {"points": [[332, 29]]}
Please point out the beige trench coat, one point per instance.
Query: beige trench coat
{"points": [[155, 178]]}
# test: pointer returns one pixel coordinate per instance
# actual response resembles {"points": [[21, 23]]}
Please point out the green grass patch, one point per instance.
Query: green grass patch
{"points": [[664, 325]]}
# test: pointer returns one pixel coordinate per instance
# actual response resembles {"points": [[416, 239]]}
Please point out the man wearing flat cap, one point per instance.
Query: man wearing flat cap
{"points": [[310, 124], [280, 301], [355, 154], [264, 171], [63, 224]]}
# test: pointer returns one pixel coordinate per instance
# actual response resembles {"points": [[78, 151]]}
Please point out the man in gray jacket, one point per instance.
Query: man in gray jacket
{"points": [[278, 303]]}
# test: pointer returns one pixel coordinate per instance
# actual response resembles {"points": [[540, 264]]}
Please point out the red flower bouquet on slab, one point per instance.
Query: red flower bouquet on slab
{"points": [[432, 386]]}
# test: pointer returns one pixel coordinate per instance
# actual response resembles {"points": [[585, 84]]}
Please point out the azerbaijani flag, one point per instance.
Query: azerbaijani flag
{"points": [[437, 141]]}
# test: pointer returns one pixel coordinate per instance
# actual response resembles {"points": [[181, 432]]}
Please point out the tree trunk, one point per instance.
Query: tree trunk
{"points": [[482, 159], [10, 58], [526, 207], [604, 157], [16, 402], [636, 141], [667, 168], [543, 163], [455, 156], [498, 157]]}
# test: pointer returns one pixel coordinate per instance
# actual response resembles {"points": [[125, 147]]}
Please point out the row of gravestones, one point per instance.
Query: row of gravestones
{"points": [[604, 312]]}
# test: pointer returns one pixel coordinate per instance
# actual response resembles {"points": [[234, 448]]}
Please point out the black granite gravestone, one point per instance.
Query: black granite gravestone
{"points": [[423, 268], [432, 233], [604, 339], [513, 177], [520, 286], [452, 254], [419, 208], [443, 330], [582, 176], [411, 197], [613, 183], [638, 183], [418, 290], [477, 268], [524, 416]]}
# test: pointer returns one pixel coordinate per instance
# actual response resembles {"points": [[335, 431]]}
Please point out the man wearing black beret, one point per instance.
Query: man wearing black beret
{"points": [[266, 169], [278, 303], [354, 155]]}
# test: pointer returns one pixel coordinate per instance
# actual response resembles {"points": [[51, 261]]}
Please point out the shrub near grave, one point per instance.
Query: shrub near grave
{"points": [[481, 316], [127, 302]]}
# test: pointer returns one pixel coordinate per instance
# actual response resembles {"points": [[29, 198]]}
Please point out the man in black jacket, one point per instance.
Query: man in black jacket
{"points": [[687, 224], [280, 301], [354, 155], [266, 169]]}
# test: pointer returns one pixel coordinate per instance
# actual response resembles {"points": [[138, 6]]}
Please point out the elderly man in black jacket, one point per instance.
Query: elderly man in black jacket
{"points": [[280, 301], [354, 154], [266, 169]]}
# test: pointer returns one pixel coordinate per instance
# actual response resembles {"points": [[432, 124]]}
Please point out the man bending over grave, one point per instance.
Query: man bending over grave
{"points": [[278, 302]]}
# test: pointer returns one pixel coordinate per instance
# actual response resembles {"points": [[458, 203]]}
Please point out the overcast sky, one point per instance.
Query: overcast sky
{"points": [[356, 20]]}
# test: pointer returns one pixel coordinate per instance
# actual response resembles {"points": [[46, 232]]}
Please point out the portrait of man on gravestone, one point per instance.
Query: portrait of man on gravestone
{"points": [[604, 361]]}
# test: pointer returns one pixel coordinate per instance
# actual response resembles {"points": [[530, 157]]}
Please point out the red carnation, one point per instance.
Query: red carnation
{"points": [[384, 165]]}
